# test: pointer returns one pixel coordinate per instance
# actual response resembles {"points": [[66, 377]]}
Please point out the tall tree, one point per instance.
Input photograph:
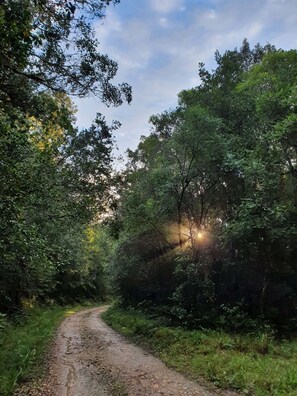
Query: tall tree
{"points": [[55, 177], [223, 162], [53, 45]]}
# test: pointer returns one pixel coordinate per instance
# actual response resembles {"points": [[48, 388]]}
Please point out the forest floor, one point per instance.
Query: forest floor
{"points": [[88, 358]]}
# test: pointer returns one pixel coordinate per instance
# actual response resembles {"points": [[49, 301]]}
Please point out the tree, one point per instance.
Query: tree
{"points": [[55, 178], [264, 222], [223, 162], [52, 44]]}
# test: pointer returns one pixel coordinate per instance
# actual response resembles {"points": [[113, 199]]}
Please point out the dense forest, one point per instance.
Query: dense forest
{"points": [[200, 226], [54, 178], [206, 220]]}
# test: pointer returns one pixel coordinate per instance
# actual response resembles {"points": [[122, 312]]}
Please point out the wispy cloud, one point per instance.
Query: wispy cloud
{"points": [[166, 6], [158, 45]]}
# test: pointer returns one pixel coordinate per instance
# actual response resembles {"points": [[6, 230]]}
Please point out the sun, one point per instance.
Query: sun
{"points": [[200, 235]]}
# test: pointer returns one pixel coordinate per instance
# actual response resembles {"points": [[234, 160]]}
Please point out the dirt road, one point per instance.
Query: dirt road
{"points": [[90, 359]]}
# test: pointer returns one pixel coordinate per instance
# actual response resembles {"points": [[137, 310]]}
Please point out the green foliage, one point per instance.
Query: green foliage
{"points": [[53, 188], [254, 364], [23, 344], [52, 44], [55, 178], [208, 205]]}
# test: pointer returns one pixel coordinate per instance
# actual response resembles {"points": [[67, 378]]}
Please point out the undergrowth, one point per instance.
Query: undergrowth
{"points": [[253, 364], [23, 343]]}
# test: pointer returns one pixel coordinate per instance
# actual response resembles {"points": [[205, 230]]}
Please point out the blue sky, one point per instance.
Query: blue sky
{"points": [[159, 43]]}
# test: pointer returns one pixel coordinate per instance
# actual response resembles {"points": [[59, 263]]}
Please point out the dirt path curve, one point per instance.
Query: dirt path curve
{"points": [[90, 359]]}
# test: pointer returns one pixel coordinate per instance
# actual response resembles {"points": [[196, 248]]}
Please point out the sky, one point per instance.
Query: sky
{"points": [[159, 43]]}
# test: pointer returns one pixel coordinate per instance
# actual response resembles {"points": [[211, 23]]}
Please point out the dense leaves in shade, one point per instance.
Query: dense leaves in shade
{"points": [[52, 44], [206, 222], [54, 178]]}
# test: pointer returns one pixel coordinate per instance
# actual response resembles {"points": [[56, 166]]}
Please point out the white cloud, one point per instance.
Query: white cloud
{"points": [[159, 54], [166, 6], [210, 14], [111, 25], [254, 30], [163, 22]]}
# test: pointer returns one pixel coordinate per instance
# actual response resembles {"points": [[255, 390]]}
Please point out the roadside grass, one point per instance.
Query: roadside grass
{"points": [[255, 364], [23, 344]]}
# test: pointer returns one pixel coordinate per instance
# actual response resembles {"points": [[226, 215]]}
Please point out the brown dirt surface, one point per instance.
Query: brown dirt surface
{"points": [[88, 358]]}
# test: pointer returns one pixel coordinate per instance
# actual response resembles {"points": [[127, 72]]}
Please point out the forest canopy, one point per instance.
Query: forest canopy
{"points": [[54, 178], [206, 222], [201, 223]]}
